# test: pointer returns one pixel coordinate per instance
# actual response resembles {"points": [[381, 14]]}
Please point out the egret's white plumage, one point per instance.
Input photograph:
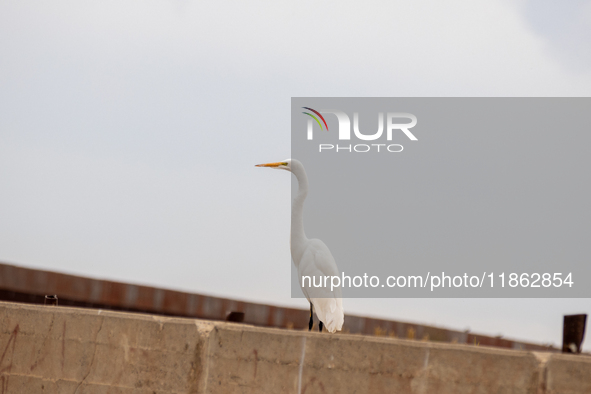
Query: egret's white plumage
{"points": [[311, 256]]}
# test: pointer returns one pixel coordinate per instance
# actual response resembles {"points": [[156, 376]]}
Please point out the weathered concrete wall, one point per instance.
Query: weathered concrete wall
{"points": [[68, 350], [18, 284]]}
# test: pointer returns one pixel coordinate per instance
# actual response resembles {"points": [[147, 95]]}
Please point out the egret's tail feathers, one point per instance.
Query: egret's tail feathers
{"points": [[330, 312]]}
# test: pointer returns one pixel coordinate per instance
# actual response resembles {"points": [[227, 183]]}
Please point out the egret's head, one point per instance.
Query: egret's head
{"points": [[280, 165]]}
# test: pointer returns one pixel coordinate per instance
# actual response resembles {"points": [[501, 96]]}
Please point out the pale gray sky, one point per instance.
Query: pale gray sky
{"points": [[129, 129]]}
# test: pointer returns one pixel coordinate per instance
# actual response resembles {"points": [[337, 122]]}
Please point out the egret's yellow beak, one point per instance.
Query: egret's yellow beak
{"points": [[279, 163]]}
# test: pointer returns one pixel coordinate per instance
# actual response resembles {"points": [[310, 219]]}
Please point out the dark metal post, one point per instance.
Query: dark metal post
{"points": [[237, 317], [573, 333], [50, 300]]}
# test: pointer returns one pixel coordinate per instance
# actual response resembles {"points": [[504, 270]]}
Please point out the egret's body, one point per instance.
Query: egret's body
{"points": [[311, 256]]}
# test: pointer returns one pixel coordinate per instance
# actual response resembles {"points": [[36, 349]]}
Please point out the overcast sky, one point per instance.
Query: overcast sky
{"points": [[129, 129]]}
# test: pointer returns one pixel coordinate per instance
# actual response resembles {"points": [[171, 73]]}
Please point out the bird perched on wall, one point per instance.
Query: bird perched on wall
{"points": [[312, 257]]}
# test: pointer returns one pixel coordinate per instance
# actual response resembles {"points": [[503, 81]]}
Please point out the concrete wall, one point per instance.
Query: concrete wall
{"points": [[28, 285], [69, 350]]}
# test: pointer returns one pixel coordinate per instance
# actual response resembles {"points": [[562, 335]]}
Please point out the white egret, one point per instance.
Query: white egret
{"points": [[312, 257]]}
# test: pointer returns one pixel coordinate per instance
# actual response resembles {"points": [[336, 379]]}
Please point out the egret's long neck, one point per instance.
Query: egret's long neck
{"points": [[298, 236]]}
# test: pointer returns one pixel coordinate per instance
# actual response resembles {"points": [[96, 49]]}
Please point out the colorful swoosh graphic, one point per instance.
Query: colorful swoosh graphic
{"points": [[315, 118]]}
